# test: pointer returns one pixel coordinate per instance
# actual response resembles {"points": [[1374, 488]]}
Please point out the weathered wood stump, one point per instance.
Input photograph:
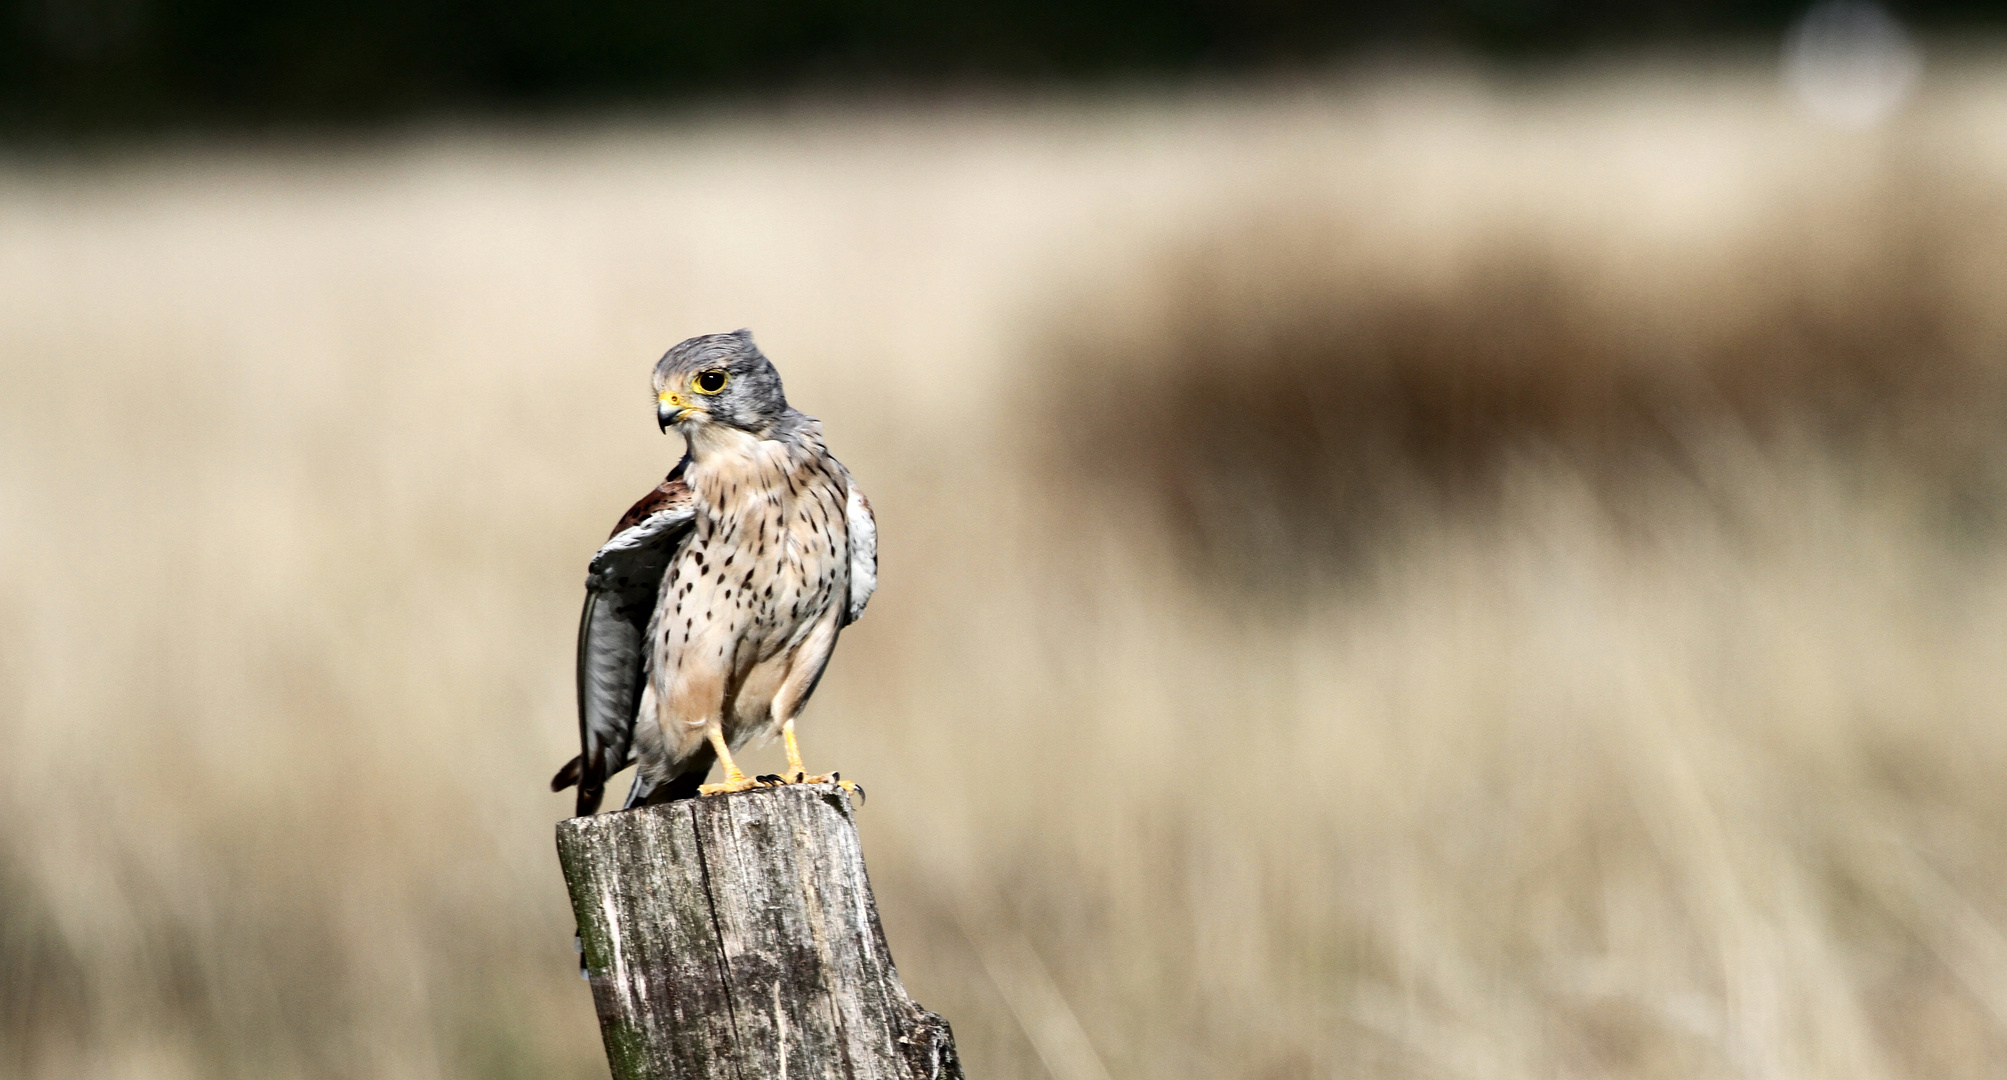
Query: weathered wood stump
{"points": [[735, 936]]}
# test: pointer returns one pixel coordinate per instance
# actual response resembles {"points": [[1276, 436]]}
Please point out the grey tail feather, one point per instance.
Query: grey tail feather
{"points": [[568, 775], [589, 793], [683, 785], [588, 798], [638, 794], [590, 776]]}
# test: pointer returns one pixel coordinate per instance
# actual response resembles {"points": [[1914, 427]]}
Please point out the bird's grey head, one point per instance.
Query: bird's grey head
{"points": [[718, 379]]}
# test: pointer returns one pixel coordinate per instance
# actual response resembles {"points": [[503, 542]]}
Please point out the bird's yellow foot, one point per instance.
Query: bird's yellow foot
{"points": [[734, 781], [832, 778], [735, 777]]}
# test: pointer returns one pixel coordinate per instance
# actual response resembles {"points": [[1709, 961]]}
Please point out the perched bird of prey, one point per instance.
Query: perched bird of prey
{"points": [[711, 613]]}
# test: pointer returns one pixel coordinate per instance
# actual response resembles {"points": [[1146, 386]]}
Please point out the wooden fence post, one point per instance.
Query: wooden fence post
{"points": [[735, 936]]}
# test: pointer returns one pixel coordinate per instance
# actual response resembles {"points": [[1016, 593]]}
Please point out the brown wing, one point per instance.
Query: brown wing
{"points": [[672, 493], [621, 588]]}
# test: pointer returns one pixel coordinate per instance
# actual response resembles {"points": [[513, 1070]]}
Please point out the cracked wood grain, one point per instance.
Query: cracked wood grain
{"points": [[735, 936]]}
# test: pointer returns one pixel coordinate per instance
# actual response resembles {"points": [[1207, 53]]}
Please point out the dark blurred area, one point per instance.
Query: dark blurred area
{"points": [[72, 67], [1344, 402]]}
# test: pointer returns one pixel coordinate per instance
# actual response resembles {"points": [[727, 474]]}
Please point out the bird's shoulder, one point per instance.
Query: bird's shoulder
{"points": [[672, 494]]}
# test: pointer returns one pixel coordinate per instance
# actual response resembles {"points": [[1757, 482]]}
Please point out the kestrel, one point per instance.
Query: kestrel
{"points": [[712, 611]]}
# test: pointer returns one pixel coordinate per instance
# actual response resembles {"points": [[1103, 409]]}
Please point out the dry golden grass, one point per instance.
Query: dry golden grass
{"points": [[1610, 747]]}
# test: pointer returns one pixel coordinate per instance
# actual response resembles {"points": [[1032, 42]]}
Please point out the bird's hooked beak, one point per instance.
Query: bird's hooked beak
{"points": [[671, 407]]}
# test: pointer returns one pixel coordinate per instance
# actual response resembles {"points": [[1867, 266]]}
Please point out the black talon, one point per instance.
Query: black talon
{"points": [[769, 778]]}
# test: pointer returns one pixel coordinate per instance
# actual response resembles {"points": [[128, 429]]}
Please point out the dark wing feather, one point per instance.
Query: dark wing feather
{"points": [[621, 588]]}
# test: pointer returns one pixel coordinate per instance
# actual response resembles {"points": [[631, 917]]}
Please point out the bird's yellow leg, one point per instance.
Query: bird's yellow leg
{"points": [[735, 780], [798, 773]]}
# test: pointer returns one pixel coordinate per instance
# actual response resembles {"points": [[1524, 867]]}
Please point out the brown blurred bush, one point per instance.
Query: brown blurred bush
{"points": [[1300, 393]]}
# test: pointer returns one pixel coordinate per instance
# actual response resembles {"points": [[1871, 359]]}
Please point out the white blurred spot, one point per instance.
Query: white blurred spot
{"points": [[1850, 63]]}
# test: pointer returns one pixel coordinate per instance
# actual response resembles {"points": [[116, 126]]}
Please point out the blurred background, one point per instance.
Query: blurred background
{"points": [[1458, 539]]}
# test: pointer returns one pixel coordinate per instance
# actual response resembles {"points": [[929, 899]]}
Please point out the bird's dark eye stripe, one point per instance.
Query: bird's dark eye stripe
{"points": [[710, 382]]}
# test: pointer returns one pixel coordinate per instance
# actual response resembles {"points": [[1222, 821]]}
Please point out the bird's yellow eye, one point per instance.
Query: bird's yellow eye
{"points": [[709, 382]]}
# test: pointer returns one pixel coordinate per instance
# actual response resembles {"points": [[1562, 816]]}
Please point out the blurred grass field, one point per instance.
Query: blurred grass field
{"points": [[1406, 578]]}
